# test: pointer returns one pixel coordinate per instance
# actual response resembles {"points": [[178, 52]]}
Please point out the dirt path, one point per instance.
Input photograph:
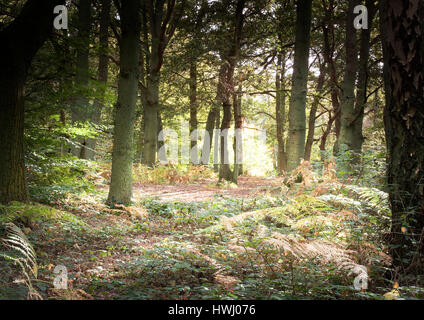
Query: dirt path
{"points": [[207, 189]]}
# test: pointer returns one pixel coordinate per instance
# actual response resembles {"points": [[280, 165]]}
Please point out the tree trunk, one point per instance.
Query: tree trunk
{"points": [[229, 64], [102, 72], [216, 148], [228, 87], [313, 112], [361, 95], [210, 125], [238, 135], [80, 109], [20, 42], [404, 52], [280, 112], [151, 118], [122, 158], [193, 107], [348, 88], [329, 48], [297, 116], [162, 22]]}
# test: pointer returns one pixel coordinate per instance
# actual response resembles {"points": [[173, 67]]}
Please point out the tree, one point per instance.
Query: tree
{"points": [[161, 21], [280, 111], [102, 71], [20, 42], [297, 116], [313, 112], [347, 107], [229, 61], [122, 158], [80, 108], [402, 24], [353, 106], [363, 80]]}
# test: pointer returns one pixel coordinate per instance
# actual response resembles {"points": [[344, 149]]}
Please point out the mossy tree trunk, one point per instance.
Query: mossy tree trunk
{"points": [[297, 110], [122, 158], [347, 112]]}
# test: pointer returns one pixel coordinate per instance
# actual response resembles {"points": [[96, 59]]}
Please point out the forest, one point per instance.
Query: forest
{"points": [[212, 150]]}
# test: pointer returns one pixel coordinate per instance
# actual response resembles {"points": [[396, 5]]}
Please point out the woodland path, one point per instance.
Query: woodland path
{"points": [[207, 189]]}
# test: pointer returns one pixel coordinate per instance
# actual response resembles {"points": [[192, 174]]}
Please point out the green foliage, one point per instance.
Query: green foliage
{"points": [[367, 169], [171, 174], [51, 179], [33, 213]]}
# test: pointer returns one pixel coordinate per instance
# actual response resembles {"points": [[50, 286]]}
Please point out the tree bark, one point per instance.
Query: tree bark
{"points": [[404, 55], [20, 42], [297, 113], [122, 158]]}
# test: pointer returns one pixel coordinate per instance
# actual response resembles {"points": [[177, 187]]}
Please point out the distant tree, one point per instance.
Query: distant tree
{"points": [[160, 20], [102, 70], [80, 108]]}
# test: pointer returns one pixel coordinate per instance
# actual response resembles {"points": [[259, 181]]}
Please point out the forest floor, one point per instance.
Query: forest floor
{"points": [[200, 240], [206, 189]]}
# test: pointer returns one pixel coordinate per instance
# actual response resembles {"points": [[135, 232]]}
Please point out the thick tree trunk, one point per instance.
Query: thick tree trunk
{"points": [[347, 132], [313, 112], [404, 54], [280, 112], [102, 72], [80, 109], [122, 158], [20, 42], [297, 116]]}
